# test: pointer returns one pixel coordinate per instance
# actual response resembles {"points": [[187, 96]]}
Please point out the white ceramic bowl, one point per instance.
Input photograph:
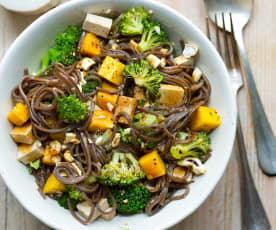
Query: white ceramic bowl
{"points": [[29, 7], [27, 50]]}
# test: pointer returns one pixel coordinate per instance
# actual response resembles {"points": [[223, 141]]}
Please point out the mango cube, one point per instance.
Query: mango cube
{"points": [[101, 121], [205, 119], [111, 70], [19, 114], [107, 101], [152, 165], [90, 45], [53, 185]]}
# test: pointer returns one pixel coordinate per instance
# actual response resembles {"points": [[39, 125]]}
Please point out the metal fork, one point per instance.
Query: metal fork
{"points": [[253, 213]]}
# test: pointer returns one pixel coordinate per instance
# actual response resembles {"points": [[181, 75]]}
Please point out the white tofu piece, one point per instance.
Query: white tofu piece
{"points": [[164, 51], [71, 138], [28, 153], [127, 105], [77, 168], [197, 73], [68, 156], [85, 63], [109, 216], [139, 93], [170, 95], [190, 50], [181, 60], [163, 62], [22, 134], [116, 140], [84, 208], [153, 60], [97, 25]]}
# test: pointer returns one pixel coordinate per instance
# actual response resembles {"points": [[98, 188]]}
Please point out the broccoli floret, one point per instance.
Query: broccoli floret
{"points": [[71, 109], [153, 35], [145, 119], [123, 169], [74, 195], [197, 148], [126, 136], [90, 86], [130, 199], [132, 22], [65, 50], [145, 75]]}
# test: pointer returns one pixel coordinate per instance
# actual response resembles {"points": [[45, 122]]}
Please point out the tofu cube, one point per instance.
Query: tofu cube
{"points": [[105, 100], [23, 134], [164, 51], [181, 60], [170, 95], [111, 70], [85, 63], [153, 60], [190, 50], [97, 25], [84, 208], [19, 114], [197, 73], [163, 62], [101, 121], [109, 216], [205, 119], [127, 105], [139, 93], [29, 153], [90, 45], [53, 185]]}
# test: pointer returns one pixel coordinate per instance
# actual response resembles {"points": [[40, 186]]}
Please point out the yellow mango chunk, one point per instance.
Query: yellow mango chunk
{"points": [[111, 70], [53, 185], [19, 114], [90, 45], [101, 121], [152, 165], [104, 98], [205, 119]]}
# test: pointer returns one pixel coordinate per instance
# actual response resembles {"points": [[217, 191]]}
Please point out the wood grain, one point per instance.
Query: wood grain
{"points": [[221, 211]]}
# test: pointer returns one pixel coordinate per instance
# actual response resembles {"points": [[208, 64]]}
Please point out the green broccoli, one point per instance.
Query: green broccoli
{"points": [[74, 195], [132, 21], [90, 86], [65, 50], [123, 169], [198, 148], [35, 164], [126, 136], [130, 199], [71, 109], [145, 119], [144, 75], [153, 35]]}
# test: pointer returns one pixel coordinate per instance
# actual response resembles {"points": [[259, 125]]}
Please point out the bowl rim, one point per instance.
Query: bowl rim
{"points": [[63, 7]]}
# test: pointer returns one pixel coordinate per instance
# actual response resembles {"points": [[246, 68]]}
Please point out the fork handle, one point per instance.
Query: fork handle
{"points": [[265, 140], [253, 213]]}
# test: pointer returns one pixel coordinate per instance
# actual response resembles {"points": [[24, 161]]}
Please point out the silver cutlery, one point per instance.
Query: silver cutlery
{"points": [[265, 140], [253, 213]]}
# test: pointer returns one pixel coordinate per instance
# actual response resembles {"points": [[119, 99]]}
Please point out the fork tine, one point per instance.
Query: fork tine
{"points": [[234, 45], [217, 35], [207, 28], [226, 45]]}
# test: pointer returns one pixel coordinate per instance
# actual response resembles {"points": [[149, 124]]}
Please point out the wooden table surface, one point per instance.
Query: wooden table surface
{"points": [[222, 209]]}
